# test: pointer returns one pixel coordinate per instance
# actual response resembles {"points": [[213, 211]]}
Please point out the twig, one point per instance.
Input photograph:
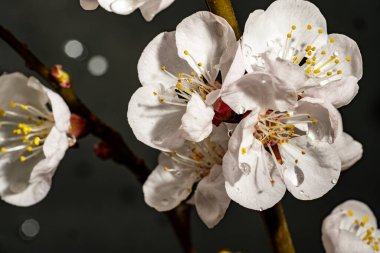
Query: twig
{"points": [[121, 153], [273, 218]]}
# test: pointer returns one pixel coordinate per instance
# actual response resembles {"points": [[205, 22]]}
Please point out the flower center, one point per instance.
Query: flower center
{"points": [[361, 229], [196, 158], [323, 63], [24, 129], [187, 84], [274, 127]]}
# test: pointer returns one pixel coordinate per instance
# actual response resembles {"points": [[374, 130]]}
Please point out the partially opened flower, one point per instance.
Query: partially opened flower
{"points": [[351, 228], [34, 129], [281, 144], [178, 71], [290, 41], [149, 8], [195, 166]]}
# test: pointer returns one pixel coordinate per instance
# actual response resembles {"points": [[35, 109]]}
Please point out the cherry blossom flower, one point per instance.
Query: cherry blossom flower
{"points": [[282, 143], [290, 40], [34, 129], [149, 8], [351, 227], [178, 71], [193, 166]]}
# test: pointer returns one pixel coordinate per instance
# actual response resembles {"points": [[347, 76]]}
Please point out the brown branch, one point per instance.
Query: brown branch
{"points": [[224, 9], [278, 231], [121, 153], [274, 218]]}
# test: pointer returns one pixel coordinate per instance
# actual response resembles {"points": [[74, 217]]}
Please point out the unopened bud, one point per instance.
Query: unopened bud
{"points": [[61, 76]]}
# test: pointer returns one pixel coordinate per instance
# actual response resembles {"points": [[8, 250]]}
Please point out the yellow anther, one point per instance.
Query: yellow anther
{"points": [[365, 219], [166, 168], [243, 151], [314, 121], [323, 52], [308, 70], [296, 161], [17, 131], [337, 61], [309, 27], [193, 74], [200, 64], [314, 58], [329, 73], [180, 74], [295, 58], [339, 72], [29, 149], [317, 71], [22, 158], [313, 48], [308, 61], [37, 141], [294, 27], [186, 52], [320, 30], [332, 40], [162, 100], [350, 213], [3, 113], [309, 116], [348, 59], [3, 150], [154, 93], [12, 104], [309, 53], [289, 35], [163, 67]]}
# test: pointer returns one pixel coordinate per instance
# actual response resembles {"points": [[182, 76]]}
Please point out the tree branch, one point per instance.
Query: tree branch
{"points": [[121, 153]]}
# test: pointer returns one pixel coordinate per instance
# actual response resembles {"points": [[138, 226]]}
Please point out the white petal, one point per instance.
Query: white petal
{"points": [[61, 111], [339, 93], [347, 47], [161, 51], [197, 121], [328, 119], [150, 8], [232, 64], [349, 150], [206, 37], [258, 90], [211, 199], [125, 7], [154, 123], [106, 4], [164, 190], [252, 179], [312, 168], [89, 4], [265, 30], [18, 88]]}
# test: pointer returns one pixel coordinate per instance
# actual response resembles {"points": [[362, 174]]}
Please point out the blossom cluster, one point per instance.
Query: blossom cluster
{"points": [[246, 120]]}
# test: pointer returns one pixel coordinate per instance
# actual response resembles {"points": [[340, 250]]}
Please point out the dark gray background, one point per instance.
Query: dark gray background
{"points": [[97, 206]]}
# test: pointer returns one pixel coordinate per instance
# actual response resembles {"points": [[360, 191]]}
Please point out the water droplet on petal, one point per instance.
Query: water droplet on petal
{"points": [[261, 209], [336, 53], [263, 81], [241, 110], [334, 181], [29, 229], [245, 168], [302, 192]]}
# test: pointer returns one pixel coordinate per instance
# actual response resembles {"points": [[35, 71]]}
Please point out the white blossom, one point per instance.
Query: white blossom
{"points": [[178, 71], [149, 8], [351, 227], [194, 165], [34, 125]]}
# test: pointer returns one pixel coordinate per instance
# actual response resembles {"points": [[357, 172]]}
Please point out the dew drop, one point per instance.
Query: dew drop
{"points": [[261, 209], [302, 192], [334, 181], [29, 229], [245, 168], [263, 81], [336, 53], [241, 110]]}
